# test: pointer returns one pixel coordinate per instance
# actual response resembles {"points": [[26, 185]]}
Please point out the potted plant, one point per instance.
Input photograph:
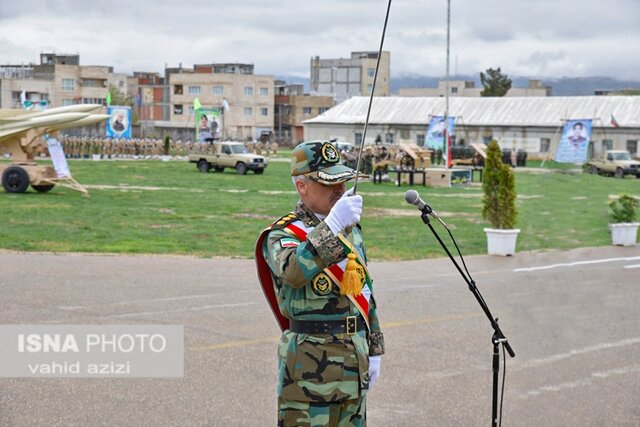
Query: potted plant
{"points": [[499, 203], [623, 226]]}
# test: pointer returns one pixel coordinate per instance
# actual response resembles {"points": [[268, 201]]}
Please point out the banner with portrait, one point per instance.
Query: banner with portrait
{"points": [[435, 133], [574, 143], [208, 127], [119, 121]]}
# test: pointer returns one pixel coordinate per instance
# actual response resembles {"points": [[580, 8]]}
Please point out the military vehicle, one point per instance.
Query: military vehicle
{"points": [[22, 136], [616, 163], [228, 154]]}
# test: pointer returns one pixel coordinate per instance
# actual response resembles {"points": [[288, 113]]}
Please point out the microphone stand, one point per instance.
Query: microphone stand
{"points": [[498, 337]]}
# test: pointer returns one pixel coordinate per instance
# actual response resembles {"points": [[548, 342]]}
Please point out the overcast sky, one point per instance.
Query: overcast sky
{"points": [[542, 38]]}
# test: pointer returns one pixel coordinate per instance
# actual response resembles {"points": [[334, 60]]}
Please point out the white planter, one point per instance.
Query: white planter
{"points": [[624, 233], [166, 158], [95, 157], [501, 242]]}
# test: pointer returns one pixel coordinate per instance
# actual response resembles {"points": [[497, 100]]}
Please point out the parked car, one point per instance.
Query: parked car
{"points": [[229, 154], [616, 163]]}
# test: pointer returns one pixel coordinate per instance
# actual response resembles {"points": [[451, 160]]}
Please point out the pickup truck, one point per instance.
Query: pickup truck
{"points": [[617, 163], [227, 154]]}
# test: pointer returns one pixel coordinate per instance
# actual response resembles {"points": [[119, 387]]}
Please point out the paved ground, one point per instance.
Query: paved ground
{"points": [[571, 317]]}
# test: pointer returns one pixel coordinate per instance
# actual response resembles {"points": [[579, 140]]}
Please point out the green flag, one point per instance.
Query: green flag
{"points": [[108, 98], [196, 104]]}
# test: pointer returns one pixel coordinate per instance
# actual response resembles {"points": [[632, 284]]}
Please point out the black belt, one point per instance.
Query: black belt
{"points": [[349, 325]]}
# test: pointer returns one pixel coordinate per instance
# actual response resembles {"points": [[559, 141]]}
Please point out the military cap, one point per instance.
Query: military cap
{"points": [[320, 161]]}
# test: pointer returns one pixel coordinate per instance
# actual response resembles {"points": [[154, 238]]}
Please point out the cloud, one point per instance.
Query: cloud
{"points": [[561, 37]]}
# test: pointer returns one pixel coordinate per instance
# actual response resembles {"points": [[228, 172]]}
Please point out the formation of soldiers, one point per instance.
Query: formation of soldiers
{"points": [[77, 147]]}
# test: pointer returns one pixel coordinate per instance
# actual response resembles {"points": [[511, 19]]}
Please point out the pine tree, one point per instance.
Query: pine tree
{"points": [[498, 185], [494, 83]]}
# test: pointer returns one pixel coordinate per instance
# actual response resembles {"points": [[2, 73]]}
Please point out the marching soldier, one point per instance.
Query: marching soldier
{"points": [[312, 266]]}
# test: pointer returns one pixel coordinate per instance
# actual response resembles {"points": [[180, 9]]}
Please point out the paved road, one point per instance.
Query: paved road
{"points": [[571, 317]]}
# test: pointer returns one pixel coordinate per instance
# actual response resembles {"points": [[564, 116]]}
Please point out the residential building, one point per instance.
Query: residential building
{"points": [[466, 88], [292, 108], [533, 124], [249, 96], [343, 78], [58, 79]]}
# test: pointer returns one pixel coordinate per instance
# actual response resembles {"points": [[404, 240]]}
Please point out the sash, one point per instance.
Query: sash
{"points": [[335, 272]]}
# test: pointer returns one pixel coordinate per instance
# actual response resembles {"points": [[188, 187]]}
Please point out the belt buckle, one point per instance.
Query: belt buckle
{"points": [[351, 325]]}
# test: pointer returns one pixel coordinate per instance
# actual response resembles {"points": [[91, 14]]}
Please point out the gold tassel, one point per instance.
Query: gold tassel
{"points": [[351, 280]]}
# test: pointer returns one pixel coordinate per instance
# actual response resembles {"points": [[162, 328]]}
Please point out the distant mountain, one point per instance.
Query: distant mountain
{"points": [[562, 86]]}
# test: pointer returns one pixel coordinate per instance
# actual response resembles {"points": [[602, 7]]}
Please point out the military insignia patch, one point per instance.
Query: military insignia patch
{"points": [[289, 243], [321, 285], [329, 153]]}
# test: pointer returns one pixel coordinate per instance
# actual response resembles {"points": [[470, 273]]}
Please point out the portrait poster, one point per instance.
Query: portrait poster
{"points": [[208, 127], [435, 133], [119, 121], [574, 142]]}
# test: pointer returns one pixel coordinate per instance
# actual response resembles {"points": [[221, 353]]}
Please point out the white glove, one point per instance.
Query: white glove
{"points": [[374, 369], [345, 212]]}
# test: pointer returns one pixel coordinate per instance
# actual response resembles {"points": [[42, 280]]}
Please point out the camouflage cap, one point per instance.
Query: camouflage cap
{"points": [[320, 161]]}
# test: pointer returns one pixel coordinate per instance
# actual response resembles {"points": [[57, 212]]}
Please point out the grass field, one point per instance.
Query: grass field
{"points": [[170, 208]]}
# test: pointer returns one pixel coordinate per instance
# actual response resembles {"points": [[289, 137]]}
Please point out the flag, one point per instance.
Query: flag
{"points": [[225, 104], [23, 99], [614, 123], [138, 99], [196, 104], [108, 99]]}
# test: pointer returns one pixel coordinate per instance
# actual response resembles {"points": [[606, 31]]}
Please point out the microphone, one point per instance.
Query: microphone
{"points": [[413, 198]]}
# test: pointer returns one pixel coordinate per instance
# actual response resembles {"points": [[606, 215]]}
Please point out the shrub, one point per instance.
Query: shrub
{"points": [[623, 209], [498, 185]]}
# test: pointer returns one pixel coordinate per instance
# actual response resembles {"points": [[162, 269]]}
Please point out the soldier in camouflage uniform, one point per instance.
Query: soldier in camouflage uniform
{"points": [[329, 353]]}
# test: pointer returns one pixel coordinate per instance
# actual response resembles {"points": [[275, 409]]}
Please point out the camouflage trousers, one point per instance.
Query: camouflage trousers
{"points": [[349, 413]]}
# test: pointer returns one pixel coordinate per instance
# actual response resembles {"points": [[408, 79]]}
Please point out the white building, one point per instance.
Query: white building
{"points": [[533, 124]]}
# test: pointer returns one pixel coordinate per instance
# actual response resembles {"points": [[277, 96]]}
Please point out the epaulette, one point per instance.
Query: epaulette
{"points": [[284, 221]]}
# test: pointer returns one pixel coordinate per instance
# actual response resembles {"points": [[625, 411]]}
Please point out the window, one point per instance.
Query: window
{"points": [[177, 109], [487, 139], [191, 109], [632, 147], [358, 138], [194, 90], [545, 145], [218, 90], [264, 112], [248, 91], [607, 144], [264, 91], [306, 111], [454, 90], [177, 89], [68, 84], [371, 72], [369, 88], [420, 140], [322, 110], [248, 111], [388, 138], [66, 102]]}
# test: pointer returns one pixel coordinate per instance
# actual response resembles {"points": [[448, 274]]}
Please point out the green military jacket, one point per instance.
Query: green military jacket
{"points": [[319, 367]]}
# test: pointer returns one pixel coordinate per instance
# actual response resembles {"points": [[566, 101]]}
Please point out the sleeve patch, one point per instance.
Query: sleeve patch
{"points": [[289, 242]]}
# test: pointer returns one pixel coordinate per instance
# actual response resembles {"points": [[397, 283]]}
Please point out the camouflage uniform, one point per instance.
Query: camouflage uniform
{"points": [[323, 378]]}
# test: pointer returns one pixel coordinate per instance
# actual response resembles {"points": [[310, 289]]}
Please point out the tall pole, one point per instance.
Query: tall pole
{"points": [[446, 96]]}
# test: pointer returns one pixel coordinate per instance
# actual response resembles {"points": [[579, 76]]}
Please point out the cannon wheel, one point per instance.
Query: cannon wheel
{"points": [[15, 179], [407, 162]]}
